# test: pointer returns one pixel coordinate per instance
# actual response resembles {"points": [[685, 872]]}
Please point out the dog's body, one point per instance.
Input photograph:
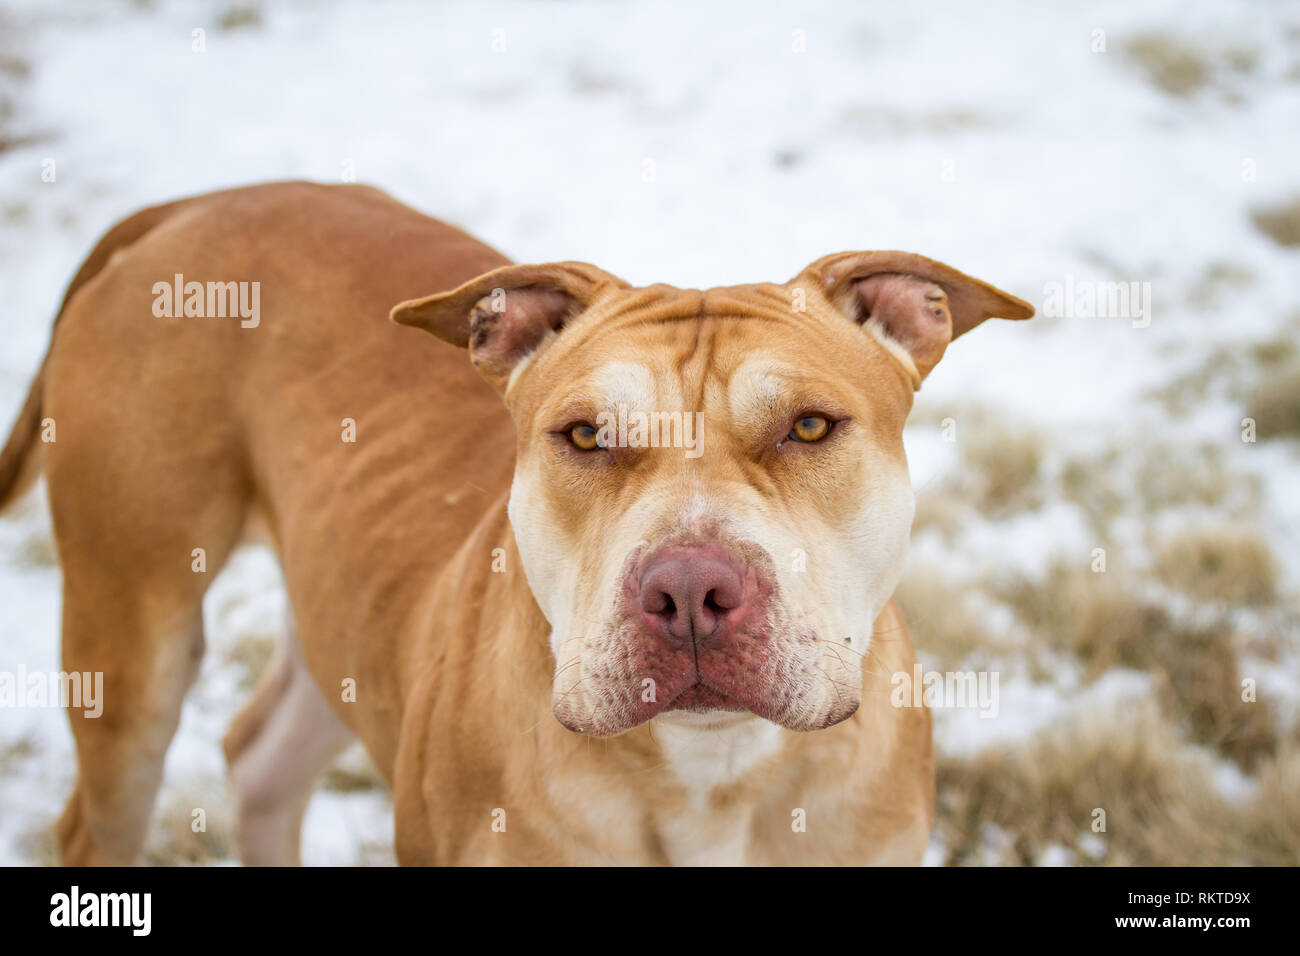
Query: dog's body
{"points": [[428, 623]]}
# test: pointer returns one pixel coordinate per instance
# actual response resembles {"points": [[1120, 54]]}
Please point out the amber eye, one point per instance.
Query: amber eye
{"points": [[584, 436], [810, 428]]}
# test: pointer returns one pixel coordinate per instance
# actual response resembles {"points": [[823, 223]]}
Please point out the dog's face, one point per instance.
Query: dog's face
{"points": [[711, 500]]}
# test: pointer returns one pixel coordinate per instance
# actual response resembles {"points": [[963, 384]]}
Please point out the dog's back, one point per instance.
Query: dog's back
{"points": [[177, 414]]}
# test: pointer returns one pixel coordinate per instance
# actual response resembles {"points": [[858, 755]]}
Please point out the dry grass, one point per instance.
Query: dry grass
{"points": [[941, 617], [353, 772], [1184, 66], [40, 846], [1227, 563], [1152, 475], [13, 67], [1005, 462], [1152, 766], [1160, 804], [940, 510], [376, 853], [37, 550], [172, 839], [1273, 397], [1275, 401], [1175, 475], [1264, 376], [1273, 352], [1220, 277], [1276, 810], [13, 753], [1099, 620], [1280, 222], [587, 82], [878, 122], [1090, 482], [240, 16], [253, 650], [999, 472], [1090, 616], [12, 64], [1170, 63], [1184, 393]]}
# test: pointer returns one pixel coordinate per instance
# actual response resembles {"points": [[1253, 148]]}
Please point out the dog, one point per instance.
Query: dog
{"points": [[616, 590]]}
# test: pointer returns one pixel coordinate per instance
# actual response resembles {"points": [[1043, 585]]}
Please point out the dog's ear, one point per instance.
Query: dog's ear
{"points": [[508, 313], [909, 301]]}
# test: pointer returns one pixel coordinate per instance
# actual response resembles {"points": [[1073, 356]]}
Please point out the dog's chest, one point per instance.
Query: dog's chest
{"points": [[714, 825]]}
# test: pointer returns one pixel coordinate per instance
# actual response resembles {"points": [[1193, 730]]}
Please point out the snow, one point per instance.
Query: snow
{"points": [[1025, 709], [691, 144]]}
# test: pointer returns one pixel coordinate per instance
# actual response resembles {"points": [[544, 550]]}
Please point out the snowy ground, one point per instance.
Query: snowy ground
{"points": [[707, 144]]}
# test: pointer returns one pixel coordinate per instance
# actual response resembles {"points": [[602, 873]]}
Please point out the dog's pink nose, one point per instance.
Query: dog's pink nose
{"points": [[688, 594]]}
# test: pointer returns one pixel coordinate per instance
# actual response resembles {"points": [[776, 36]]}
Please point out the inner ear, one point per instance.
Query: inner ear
{"points": [[509, 324], [911, 311], [509, 313], [914, 305]]}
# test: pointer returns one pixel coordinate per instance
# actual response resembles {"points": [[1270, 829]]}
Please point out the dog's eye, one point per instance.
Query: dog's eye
{"points": [[584, 436], [810, 428]]}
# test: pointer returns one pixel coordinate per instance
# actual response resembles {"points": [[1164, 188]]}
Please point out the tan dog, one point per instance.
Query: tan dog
{"points": [[646, 621]]}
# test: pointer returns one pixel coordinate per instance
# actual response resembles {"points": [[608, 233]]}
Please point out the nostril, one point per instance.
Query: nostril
{"points": [[727, 596], [691, 594], [656, 601]]}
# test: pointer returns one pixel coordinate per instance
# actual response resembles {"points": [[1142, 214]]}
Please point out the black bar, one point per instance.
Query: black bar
{"points": [[335, 906]]}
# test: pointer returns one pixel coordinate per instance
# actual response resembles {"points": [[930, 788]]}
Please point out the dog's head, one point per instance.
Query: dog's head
{"points": [[710, 500]]}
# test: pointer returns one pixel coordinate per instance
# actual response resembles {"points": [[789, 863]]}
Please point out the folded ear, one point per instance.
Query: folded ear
{"points": [[508, 313], [910, 301]]}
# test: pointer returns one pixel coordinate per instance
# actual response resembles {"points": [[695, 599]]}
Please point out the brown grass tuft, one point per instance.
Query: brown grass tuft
{"points": [[16, 751], [1275, 401], [942, 620], [1275, 813], [1089, 482], [172, 840], [253, 651], [1160, 803], [240, 16], [1280, 222], [938, 509], [1170, 63], [1228, 563], [353, 772], [40, 846], [37, 550], [1102, 623], [1005, 464]]}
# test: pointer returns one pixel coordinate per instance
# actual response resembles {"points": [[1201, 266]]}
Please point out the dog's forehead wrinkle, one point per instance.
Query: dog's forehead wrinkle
{"points": [[627, 383], [761, 373], [674, 376], [756, 386], [695, 365]]}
